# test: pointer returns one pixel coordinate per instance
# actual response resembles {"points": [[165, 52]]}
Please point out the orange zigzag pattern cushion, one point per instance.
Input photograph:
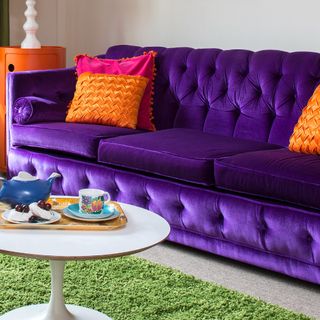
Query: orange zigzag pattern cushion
{"points": [[107, 99], [306, 133], [143, 65]]}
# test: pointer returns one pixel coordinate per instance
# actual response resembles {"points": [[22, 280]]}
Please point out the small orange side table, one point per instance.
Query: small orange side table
{"points": [[17, 59]]}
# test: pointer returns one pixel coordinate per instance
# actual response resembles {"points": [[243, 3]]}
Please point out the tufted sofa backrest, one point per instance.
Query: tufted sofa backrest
{"points": [[240, 93]]}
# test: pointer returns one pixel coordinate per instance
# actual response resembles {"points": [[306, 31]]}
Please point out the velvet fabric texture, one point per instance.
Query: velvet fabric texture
{"points": [[269, 235], [143, 65], [227, 94], [34, 109], [183, 154], [71, 138], [306, 134], [277, 174], [240, 93], [107, 99]]}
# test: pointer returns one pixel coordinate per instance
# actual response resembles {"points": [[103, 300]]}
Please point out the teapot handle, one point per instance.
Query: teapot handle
{"points": [[106, 195]]}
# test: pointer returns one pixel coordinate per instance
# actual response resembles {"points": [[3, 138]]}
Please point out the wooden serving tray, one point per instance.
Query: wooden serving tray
{"points": [[66, 223]]}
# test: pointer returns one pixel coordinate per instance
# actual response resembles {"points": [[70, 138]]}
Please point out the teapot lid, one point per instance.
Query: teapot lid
{"points": [[24, 176]]}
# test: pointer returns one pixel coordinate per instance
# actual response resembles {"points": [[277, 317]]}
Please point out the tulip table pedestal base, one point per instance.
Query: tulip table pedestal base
{"points": [[38, 312], [56, 309]]}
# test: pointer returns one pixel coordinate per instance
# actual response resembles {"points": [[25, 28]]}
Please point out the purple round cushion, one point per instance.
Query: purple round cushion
{"points": [[34, 109]]}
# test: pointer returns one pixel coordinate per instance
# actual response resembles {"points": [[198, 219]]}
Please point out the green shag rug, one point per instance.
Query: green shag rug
{"points": [[130, 288]]}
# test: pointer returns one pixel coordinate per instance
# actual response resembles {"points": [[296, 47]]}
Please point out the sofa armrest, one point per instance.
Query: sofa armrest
{"points": [[56, 85]]}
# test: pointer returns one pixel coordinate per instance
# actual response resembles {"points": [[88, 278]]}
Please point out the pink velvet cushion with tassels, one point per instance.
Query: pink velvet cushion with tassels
{"points": [[143, 65]]}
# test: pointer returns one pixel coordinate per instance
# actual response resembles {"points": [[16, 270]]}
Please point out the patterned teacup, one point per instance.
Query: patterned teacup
{"points": [[92, 201]]}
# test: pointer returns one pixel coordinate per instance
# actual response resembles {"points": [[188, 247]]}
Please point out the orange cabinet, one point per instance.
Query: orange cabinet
{"points": [[16, 59]]}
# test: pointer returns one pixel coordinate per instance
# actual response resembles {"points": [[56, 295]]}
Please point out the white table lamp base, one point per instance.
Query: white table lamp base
{"points": [[30, 27]]}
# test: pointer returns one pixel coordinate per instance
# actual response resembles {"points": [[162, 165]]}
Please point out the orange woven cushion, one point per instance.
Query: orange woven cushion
{"points": [[143, 65], [107, 99], [306, 133]]}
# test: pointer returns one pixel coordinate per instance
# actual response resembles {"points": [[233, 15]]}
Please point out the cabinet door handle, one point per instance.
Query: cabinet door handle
{"points": [[11, 67]]}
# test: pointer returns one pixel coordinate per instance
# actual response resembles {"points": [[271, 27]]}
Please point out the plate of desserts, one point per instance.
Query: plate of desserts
{"points": [[34, 213]]}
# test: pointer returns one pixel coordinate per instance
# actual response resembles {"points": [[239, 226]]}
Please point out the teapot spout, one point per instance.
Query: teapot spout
{"points": [[53, 176], [3, 179]]}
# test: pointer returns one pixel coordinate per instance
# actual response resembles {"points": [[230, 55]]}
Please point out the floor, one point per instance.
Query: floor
{"points": [[277, 289]]}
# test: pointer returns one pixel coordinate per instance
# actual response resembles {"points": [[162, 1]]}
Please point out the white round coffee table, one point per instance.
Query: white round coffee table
{"points": [[143, 230]]}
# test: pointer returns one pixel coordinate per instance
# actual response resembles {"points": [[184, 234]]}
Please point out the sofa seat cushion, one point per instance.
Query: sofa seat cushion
{"points": [[75, 138], [277, 174], [183, 154]]}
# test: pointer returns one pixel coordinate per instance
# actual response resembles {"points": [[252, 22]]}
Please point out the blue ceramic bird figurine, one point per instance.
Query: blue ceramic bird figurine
{"points": [[25, 188]]}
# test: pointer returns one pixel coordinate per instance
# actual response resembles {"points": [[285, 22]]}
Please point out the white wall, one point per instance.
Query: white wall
{"points": [[90, 26]]}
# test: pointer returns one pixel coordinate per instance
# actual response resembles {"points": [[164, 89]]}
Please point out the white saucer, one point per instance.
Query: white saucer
{"points": [[55, 218], [69, 214]]}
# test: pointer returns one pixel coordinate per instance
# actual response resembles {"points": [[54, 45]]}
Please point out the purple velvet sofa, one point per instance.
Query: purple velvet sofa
{"points": [[217, 168]]}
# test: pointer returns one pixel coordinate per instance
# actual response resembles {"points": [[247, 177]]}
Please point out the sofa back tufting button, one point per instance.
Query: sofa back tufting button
{"points": [[220, 218], [263, 227], [184, 68], [309, 238]]}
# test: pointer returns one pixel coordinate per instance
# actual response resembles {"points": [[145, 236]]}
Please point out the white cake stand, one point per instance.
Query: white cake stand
{"points": [[143, 230]]}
